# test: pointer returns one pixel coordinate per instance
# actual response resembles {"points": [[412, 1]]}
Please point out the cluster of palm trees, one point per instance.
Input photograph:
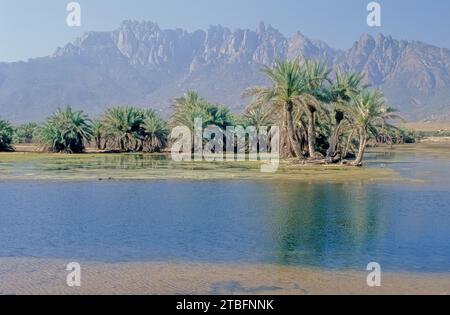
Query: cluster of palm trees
{"points": [[130, 129], [124, 129], [324, 117], [192, 106], [25, 133]]}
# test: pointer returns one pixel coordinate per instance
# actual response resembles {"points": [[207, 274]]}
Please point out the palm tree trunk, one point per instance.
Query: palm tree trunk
{"points": [[339, 116], [285, 146], [311, 136], [122, 145], [98, 142], [290, 130], [347, 146], [362, 147]]}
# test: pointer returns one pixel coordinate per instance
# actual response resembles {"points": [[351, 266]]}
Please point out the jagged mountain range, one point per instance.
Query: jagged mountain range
{"points": [[141, 64]]}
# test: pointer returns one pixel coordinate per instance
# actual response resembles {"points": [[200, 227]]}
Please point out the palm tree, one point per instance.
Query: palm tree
{"points": [[282, 97], [122, 127], [66, 131], [192, 106], [133, 129], [6, 135], [97, 134], [25, 133], [155, 132], [345, 86], [220, 115], [189, 107], [257, 117], [368, 112], [315, 91]]}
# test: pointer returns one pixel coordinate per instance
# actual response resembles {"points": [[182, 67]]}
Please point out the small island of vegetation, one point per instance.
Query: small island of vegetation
{"points": [[324, 118]]}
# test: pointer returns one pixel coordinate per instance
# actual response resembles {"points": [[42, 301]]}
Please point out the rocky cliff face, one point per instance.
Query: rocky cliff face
{"points": [[140, 63], [413, 75], [145, 44], [386, 61]]}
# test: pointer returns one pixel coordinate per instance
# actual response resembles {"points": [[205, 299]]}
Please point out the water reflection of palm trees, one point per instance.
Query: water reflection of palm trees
{"points": [[333, 225]]}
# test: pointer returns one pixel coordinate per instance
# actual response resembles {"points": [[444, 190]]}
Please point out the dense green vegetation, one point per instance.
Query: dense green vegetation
{"points": [[425, 134], [323, 116], [66, 131], [301, 100], [25, 133], [192, 106], [129, 129], [6, 135]]}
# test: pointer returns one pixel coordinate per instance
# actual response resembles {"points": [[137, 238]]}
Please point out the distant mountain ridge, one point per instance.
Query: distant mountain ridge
{"points": [[141, 64]]}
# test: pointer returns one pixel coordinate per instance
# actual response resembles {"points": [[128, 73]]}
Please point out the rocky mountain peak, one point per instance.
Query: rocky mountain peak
{"points": [[140, 62]]}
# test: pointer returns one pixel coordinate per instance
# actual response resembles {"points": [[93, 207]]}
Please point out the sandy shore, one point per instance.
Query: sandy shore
{"points": [[33, 276]]}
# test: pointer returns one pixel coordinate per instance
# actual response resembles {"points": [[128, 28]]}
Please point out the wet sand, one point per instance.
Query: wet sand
{"points": [[36, 276]]}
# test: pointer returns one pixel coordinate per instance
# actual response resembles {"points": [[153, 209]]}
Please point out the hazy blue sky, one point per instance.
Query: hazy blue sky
{"points": [[36, 28]]}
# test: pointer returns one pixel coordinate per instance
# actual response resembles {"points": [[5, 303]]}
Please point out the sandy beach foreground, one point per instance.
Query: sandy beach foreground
{"points": [[35, 276]]}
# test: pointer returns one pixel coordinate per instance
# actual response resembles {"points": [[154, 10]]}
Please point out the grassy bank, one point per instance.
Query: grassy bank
{"points": [[95, 166], [29, 165]]}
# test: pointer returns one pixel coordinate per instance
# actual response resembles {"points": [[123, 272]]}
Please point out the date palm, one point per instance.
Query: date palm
{"points": [[220, 115], [281, 98], [154, 131], [25, 133], [66, 131], [122, 126], [98, 134], [257, 117], [368, 112], [192, 106], [188, 108], [345, 86], [315, 91]]}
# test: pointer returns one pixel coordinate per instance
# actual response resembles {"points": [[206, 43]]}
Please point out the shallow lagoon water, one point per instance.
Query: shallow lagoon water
{"points": [[403, 226]]}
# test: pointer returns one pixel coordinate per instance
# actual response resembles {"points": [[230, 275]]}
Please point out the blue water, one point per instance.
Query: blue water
{"points": [[401, 226]]}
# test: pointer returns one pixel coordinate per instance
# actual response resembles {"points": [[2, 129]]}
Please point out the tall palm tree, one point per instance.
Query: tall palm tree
{"points": [[315, 91], [66, 131], [97, 134], [368, 112], [155, 131], [345, 86], [220, 115], [282, 97], [189, 107], [192, 106], [257, 117]]}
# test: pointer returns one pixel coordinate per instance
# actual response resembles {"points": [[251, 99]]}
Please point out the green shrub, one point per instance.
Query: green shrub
{"points": [[25, 133], [6, 134]]}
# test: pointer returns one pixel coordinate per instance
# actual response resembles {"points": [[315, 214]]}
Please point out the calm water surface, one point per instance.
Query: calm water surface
{"points": [[402, 226]]}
